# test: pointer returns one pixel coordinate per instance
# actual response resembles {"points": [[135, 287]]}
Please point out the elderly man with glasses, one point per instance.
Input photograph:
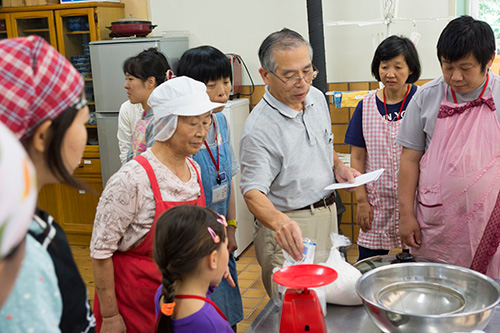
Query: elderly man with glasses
{"points": [[287, 157]]}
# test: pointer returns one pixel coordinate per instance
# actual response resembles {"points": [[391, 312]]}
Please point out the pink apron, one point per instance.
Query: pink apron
{"points": [[459, 184], [139, 144], [136, 275], [382, 152]]}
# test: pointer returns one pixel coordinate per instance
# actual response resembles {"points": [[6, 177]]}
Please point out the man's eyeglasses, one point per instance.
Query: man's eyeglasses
{"points": [[296, 80]]}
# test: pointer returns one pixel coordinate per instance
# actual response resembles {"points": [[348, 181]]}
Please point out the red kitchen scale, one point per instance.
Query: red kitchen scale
{"points": [[301, 310]]}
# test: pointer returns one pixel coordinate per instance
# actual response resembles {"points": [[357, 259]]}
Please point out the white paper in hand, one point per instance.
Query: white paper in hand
{"points": [[358, 181]]}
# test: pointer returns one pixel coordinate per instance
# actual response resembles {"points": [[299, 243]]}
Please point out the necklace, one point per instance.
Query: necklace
{"points": [[402, 104]]}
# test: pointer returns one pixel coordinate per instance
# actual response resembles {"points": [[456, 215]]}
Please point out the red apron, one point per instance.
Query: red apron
{"points": [[459, 183], [136, 275]]}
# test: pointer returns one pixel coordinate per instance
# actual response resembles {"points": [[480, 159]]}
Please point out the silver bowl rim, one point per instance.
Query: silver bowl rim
{"points": [[446, 266]]}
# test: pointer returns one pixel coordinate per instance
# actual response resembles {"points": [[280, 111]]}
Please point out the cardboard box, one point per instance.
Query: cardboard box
{"points": [[41, 2], [13, 3]]}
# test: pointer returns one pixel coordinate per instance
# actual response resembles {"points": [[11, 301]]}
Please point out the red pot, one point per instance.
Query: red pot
{"points": [[130, 26]]}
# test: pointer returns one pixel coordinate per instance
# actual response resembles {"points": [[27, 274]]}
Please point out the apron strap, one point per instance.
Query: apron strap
{"points": [[206, 300], [489, 241], [151, 175]]}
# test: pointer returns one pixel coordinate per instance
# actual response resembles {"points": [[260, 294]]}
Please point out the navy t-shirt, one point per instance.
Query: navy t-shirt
{"points": [[354, 135]]}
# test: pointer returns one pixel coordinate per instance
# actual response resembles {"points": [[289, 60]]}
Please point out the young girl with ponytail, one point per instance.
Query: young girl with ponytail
{"points": [[190, 248]]}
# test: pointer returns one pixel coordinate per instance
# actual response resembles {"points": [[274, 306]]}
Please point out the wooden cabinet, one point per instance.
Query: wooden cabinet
{"points": [[39, 23], [75, 209], [5, 26], [69, 28]]}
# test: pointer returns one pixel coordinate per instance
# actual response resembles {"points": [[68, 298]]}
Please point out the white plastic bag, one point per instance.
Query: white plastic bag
{"points": [[343, 290]]}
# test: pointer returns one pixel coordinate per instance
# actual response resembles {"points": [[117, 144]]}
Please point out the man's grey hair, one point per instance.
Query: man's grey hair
{"points": [[277, 41]]}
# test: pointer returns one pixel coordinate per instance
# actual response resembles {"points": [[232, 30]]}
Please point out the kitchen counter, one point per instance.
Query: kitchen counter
{"points": [[339, 319]]}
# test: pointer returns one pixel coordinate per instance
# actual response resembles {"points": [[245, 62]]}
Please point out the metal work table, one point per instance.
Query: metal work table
{"points": [[339, 319]]}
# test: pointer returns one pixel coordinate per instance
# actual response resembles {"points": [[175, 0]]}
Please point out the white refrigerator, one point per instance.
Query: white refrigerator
{"points": [[236, 111], [107, 58]]}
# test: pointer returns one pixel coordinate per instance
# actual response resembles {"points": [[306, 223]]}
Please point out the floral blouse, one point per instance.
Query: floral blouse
{"points": [[126, 208]]}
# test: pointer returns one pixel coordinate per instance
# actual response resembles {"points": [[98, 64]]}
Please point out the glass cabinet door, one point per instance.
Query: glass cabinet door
{"points": [[39, 23], [75, 29], [5, 27]]}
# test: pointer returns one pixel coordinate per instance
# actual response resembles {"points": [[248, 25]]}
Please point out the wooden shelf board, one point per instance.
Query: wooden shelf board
{"points": [[36, 30], [78, 32]]}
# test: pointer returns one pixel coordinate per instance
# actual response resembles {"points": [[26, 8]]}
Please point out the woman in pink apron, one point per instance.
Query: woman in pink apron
{"points": [[143, 73], [126, 276], [372, 133], [457, 199]]}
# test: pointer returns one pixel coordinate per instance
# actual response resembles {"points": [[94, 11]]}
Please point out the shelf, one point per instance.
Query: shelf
{"points": [[87, 79], [36, 30], [91, 126], [78, 32], [90, 103], [3, 31]]}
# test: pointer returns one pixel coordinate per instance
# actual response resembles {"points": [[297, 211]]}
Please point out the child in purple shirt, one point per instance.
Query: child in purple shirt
{"points": [[190, 248]]}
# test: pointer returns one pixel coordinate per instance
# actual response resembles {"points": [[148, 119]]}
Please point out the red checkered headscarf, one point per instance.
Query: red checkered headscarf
{"points": [[36, 84]]}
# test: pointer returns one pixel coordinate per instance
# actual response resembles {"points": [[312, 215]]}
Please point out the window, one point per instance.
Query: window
{"points": [[488, 11]]}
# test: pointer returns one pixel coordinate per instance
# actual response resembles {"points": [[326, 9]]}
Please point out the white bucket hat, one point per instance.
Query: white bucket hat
{"points": [[181, 96]]}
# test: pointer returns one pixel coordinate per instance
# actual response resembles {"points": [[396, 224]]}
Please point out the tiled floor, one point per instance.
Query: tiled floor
{"points": [[252, 289], [249, 275]]}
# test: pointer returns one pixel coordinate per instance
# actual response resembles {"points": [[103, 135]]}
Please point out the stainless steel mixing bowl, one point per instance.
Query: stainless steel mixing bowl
{"points": [[428, 297]]}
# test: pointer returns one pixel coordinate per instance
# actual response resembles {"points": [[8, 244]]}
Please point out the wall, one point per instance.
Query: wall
{"points": [[240, 26], [139, 8], [348, 59]]}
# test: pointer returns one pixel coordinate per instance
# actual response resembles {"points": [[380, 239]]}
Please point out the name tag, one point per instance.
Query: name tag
{"points": [[220, 192]]}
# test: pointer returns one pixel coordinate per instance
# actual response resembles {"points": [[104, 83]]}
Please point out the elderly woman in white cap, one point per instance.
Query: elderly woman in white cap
{"points": [[126, 276]]}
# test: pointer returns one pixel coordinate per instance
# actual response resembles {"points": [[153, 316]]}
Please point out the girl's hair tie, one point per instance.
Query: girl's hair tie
{"points": [[167, 308], [215, 237], [222, 220]]}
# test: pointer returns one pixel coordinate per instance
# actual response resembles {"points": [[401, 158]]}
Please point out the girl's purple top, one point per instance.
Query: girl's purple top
{"points": [[206, 320]]}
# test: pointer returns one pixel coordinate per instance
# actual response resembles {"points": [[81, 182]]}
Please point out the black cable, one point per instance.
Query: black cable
{"points": [[240, 60]]}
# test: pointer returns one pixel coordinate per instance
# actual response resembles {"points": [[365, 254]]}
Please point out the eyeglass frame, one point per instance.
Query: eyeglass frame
{"points": [[297, 79]]}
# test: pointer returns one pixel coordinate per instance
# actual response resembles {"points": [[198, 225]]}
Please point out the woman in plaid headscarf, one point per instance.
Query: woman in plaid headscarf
{"points": [[42, 103]]}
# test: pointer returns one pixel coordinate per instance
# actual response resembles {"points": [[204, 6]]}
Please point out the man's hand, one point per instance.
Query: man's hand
{"points": [[231, 239], [343, 174], [410, 231], [289, 236], [364, 216], [113, 324]]}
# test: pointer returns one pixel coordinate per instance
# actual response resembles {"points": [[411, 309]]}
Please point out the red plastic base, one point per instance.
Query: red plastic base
{"points": [[302, 312]]}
